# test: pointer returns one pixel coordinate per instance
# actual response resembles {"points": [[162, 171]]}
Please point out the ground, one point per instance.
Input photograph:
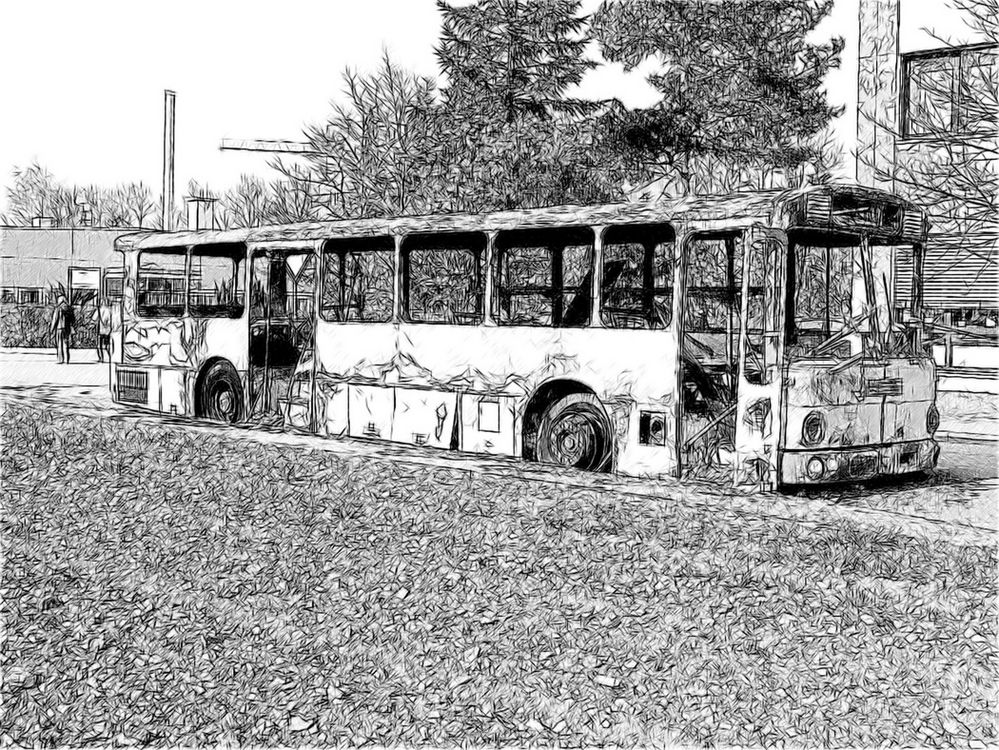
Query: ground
{"points": [[175, 585]]}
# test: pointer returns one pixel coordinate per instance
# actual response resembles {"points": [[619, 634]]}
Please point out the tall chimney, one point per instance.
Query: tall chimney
{"points": [[200, 213], [169, 104]]}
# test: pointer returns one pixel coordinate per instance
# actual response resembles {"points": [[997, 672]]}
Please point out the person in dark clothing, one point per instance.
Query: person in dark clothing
{"points": [[102, 319], [63, 320]]}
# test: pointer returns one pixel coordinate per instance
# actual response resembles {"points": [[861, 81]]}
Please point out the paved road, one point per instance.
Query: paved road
{"points": [[964, 490]]}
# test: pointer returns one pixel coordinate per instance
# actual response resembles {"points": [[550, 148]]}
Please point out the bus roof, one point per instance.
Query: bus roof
{"points": [[734, 206]]}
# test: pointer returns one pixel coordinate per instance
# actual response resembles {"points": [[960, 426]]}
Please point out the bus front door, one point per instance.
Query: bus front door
{"points": [[281, 328], [712, 282], [759, 413]]}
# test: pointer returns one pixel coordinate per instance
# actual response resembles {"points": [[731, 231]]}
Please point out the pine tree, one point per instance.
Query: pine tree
{"points": [[508, 58], [739, 82]]}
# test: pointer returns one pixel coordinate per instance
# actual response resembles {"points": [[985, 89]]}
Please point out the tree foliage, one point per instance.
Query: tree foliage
{"points": [[509, 58], [739, 83], [35, 193]]}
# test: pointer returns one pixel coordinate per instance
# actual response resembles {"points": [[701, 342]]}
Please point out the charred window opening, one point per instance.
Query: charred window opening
{"points": [[442, 278], [637, 280], [850, 210], [545, 277], [216, 287], [358, 280], [161, 282], [820, 293]]}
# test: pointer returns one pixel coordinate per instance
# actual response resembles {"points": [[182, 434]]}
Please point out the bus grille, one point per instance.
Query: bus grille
{"points": [[884, 387], [133, 386]]}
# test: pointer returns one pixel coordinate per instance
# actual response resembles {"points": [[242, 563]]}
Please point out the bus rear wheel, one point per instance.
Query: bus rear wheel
{"points": [[574, 432], [220, 395]]}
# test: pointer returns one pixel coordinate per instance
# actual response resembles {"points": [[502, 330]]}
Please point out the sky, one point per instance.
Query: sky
{"points": [[83, 82]]}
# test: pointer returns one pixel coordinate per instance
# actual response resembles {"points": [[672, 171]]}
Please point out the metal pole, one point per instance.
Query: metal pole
{"points": [[169, 107]]}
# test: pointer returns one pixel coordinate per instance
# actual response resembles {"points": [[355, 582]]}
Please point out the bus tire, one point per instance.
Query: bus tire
{"points": [[220, 394], [574, 431]]}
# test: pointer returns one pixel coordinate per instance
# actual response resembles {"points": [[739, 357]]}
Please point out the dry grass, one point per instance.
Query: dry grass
{"points": [[168, 588]]}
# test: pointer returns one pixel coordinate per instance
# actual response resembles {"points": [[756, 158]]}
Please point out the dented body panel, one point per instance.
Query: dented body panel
{"points": [[868, 405], [492, 372]]}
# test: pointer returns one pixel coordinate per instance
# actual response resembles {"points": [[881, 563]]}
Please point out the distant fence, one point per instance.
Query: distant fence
{"points": [[28, 325]]}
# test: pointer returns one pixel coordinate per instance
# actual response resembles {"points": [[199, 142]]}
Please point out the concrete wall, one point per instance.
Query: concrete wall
{"points": [[40, 258]]}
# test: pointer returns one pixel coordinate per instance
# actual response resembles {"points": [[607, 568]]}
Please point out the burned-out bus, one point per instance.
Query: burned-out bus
{"points": [[770, 337]]}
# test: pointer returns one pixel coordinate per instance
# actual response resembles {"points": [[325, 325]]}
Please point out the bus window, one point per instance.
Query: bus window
{"points": [[821, 290], [358, 279], [160, 282], [442, 278], [545, 277], [638, 277], [217, 285], [713, 300]]}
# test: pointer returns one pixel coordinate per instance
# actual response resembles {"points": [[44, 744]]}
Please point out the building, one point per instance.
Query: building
{"points": [[927, 129], [36, 262]]}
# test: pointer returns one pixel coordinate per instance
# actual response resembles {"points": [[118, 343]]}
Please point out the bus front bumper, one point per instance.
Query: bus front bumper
{"points": [[829, 465]]}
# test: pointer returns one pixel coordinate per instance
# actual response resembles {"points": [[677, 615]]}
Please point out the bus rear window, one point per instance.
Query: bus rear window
{"points": [[161, 282], [217, 285]]}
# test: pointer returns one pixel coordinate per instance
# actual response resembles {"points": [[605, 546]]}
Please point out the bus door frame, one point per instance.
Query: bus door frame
{"points": [[687, 232], [270, 249], [759, 411]]}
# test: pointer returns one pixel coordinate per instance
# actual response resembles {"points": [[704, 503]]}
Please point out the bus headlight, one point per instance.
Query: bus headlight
{"points": [[932, 419], [815, 467], [813, 428]]}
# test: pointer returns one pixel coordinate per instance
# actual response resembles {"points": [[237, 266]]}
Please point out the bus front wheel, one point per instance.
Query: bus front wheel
{"points": [[573, 431], [221, 394]]}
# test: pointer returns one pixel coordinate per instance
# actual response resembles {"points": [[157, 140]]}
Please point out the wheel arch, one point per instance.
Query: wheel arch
{"points": [[544, 396]]}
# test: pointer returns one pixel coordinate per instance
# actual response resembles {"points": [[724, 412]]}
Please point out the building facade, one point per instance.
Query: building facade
{"points": [[927, 129], [37, 263]]}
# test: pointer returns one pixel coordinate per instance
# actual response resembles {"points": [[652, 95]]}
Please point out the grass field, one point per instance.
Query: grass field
{"points": [[170, 588]]}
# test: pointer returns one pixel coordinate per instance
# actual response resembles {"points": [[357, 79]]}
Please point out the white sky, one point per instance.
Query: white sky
{"points": [[83, 82]]}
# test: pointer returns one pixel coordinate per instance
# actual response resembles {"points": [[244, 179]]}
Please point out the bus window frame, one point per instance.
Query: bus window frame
{"points": [[241, 264], [436, 241], [586, 286], [326, 251], [143, 312], [660, 234]]}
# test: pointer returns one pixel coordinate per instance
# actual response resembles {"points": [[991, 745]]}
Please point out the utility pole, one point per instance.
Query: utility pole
{"points": [[169, 108]]}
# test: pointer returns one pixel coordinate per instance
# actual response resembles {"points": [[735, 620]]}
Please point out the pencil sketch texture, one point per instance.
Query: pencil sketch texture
{"points": [[618, 373]]}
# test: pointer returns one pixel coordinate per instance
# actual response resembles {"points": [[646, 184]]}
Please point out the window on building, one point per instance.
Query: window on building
{"points": [[161, 281], [637, 280], [217, 285], [31, 296], [442, 278], [545, 277], [358, 280], [951, 91], [113, 287], [8, 295]]}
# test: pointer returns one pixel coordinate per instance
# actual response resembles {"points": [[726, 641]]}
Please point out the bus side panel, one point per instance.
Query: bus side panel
{"points": [[498, 370]]}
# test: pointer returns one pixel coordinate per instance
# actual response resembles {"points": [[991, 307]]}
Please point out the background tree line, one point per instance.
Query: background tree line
{"points": [[741, 105]]}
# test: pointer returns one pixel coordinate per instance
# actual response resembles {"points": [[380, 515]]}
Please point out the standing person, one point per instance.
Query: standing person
{"points": [[62, 324], [102, 317]]}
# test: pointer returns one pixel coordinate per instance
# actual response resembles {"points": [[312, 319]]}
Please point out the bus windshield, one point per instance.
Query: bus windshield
{"points": [[837, 308]]}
